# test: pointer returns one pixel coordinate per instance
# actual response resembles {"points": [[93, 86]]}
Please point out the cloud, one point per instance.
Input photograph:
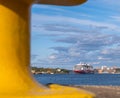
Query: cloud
{"points": [[111, 2], [85, 45], [52, 57], [111, 52], [91, 37], [62, 28], [115, 18], [91, 41], [34, 57], [60, 49], [58, 10], [102, 58], [41, 19], [93, 49]]}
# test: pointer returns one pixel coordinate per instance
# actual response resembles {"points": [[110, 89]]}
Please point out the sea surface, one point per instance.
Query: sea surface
{"points": [[79, 79]]}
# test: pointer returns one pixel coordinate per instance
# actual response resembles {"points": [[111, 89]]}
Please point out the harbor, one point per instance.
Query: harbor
{"points": [[103, 85], [59, 36], [78, 69]]}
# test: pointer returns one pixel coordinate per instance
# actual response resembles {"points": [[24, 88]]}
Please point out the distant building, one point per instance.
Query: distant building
{"points": [[33, 71], [117, 70], [105, 69]]}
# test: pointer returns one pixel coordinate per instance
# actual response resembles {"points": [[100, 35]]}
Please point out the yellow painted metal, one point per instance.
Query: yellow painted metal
{"points": [[61, 2], [16, 80]]}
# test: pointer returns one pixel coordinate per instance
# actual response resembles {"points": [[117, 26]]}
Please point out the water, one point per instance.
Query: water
{"points": [[79, 79]]}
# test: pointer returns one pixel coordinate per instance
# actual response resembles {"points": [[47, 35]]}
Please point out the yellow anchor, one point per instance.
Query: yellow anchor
{"points": [[16, 81]]}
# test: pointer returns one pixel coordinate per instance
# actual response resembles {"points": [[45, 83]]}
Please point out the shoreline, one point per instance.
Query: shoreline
{"points": [[102, 91]]}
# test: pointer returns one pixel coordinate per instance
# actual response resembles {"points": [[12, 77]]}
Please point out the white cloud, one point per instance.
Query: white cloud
{"points": [[105, 52], [85, 36], [115, 18], [38, 19], [52, 57], [102, 58]]}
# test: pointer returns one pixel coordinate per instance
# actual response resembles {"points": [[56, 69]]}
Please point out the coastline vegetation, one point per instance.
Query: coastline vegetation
{"points": [[36, 70]]}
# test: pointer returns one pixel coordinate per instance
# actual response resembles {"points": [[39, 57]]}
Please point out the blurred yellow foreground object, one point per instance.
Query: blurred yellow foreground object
{"points": [[16, 80]]}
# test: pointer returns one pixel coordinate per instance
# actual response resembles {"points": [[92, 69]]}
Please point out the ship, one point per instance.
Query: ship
{"points": [[83, 68]]}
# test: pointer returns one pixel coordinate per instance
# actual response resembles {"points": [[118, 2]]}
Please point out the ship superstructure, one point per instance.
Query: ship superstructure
{"points": [[83, 68]]}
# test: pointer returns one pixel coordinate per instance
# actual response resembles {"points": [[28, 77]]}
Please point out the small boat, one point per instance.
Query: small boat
{"points": [[83, 68]]}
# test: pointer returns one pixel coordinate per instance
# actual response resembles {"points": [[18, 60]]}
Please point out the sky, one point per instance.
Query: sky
{"points": [[64, 36]]}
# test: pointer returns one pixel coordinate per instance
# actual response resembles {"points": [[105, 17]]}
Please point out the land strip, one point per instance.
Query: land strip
{"points": [[103, 91]]}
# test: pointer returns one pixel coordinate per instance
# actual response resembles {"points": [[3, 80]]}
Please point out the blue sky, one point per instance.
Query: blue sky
{"points": [[64, 36]]}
